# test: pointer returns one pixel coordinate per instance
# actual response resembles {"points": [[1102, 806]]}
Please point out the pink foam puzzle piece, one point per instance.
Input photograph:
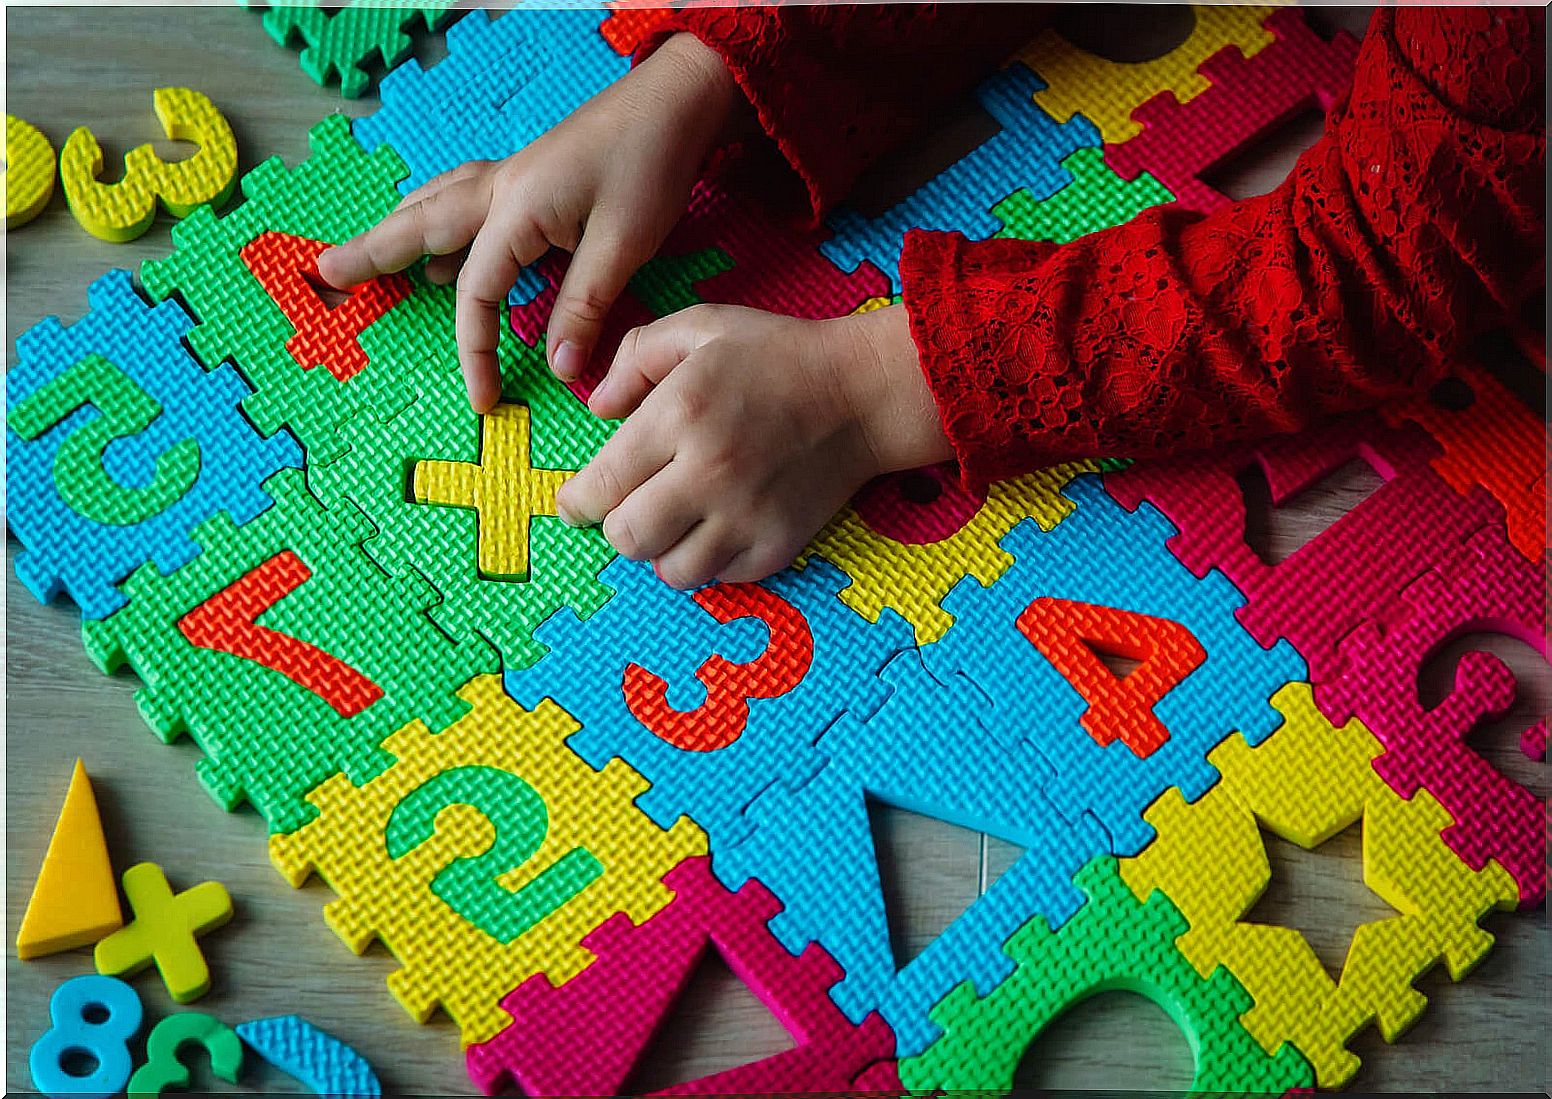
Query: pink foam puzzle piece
{"points": [[1347, 574], [1248, 98], [1486, 586], [584, 1037]]}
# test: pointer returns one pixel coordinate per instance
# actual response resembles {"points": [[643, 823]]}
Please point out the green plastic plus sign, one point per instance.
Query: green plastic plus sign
{"points": [[164, 930]]}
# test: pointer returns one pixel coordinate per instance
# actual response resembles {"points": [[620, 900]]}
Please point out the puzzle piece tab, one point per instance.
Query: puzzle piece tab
{"points": [[345, 39]]}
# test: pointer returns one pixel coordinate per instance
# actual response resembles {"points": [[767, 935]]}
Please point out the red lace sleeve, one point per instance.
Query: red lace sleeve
{"points": [[1413, 225], [837, 85]]}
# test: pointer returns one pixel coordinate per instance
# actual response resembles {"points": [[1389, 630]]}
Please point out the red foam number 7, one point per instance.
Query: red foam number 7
{"points": [[228, 623]]}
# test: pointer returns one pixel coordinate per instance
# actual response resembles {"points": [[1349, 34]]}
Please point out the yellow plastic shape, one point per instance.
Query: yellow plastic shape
{"points": [[1306, 783], [1107, 92], [29, 172], [445, 959], [75, 901], [124, 210], [502, 488], [164, 931]]}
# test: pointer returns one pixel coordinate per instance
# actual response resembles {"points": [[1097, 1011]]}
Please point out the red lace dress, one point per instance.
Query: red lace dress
{"points": [[1412, 226]]}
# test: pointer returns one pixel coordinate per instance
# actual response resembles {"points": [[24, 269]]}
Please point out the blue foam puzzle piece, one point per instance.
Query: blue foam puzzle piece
{"points": [[669, 634], [1026, 154], [503, 83], [312, 1056], [1104, 555], [70, 552], [813, 847]]}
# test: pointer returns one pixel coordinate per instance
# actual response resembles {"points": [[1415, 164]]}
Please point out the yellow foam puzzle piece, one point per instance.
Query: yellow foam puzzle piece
{"points": [[403, 900], [1107, 92], [164, 931], [1306, 783], [29, 172], [913, 579], [124, 210], [502, 488], [75, 901]]}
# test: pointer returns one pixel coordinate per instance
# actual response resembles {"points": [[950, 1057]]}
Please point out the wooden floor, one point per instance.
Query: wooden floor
{"points": [[71, 66]]}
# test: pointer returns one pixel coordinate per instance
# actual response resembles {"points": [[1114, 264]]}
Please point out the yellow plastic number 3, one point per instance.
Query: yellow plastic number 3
{"points": [[122, 211]]}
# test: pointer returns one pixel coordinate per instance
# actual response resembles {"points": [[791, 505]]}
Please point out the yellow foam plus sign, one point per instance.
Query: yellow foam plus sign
{"points": [[502, 487], [164, 930]]}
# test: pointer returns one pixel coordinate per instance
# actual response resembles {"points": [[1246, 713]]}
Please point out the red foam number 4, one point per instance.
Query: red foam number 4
{"points": [[1072, 636], [326, 336], [228, 623], [721, 719]]}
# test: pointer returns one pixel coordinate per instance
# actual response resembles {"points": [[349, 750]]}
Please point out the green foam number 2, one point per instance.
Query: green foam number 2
{"points": [[80, 475], [469, 885]]}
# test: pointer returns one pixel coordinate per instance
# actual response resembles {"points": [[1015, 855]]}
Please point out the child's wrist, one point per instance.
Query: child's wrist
{"points": [[888, 392], [704, 90]]}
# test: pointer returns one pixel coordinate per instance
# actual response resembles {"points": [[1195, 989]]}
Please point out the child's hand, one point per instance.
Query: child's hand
{"points": [[746, 432], [606, 184]]}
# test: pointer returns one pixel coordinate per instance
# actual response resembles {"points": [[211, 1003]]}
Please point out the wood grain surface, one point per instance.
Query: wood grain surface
{"points": [[98, 66]]}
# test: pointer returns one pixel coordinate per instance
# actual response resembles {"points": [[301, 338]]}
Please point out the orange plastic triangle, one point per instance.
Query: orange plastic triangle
{"points": [[76, 901]]}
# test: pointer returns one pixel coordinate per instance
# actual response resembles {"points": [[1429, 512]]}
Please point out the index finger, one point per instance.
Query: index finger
{"points": [[442, 222]]}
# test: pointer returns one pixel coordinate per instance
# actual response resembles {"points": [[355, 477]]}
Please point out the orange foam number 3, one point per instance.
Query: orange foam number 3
{"points": [[1072, 635], [228, 623], [327, 336], [721, 719]]}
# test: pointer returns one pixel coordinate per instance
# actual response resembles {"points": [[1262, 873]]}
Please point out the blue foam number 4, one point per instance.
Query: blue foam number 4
{"points": [[469, 885], [93, 1018]]}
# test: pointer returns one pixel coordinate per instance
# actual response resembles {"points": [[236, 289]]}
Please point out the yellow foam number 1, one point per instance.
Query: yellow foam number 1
{"points": [[122, 211], [29, 172]]}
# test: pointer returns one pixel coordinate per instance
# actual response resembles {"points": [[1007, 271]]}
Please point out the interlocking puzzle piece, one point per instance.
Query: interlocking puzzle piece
{"points": [[1308, 782], [1487, 586], [920, 751], [1247, 99], [502, 488], [123, 210], [118, 444], [337, 192], [1026, 154], [500, 850], [731, 684], [91, 1015], [165, 931], [314, 1057], [627, 25], [164, 1068], [75, 901], [1114, 942], [1095, 199], [1106, 92], [1356, 566], [584, 1037], [909, 571], [29, 172], [503, 83], [1001, 670], [346, 39], [1496, 441], [284, 652]]}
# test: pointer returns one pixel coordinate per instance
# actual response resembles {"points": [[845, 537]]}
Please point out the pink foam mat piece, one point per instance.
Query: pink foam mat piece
{"points": [[917, 507], [1344, 576], [1248, 98], [584, 1037], [1486, 586]]}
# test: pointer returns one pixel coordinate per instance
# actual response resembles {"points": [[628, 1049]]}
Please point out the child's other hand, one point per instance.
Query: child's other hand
{"points": [[606, 184], [745, 433]]}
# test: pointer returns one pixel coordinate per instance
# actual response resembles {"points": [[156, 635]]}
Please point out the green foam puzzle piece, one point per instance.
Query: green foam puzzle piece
{"points": [[1096, 199], [345, 40], [1113, 942]]}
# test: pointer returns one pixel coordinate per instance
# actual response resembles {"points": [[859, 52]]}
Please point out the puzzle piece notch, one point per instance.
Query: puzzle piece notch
{"points": [[1113, 942], [1306, 783], [419, 892], [118, 444], [314, 1057], [1180, 140], [346, 39], [29, 172], [165, 931], [75, 901], [585, 1036]]}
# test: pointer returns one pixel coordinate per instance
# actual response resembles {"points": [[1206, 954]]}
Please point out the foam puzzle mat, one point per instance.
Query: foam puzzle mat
{"points": [[548, 783]]}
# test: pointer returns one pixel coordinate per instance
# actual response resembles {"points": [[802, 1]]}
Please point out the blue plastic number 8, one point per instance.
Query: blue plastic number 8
{"points": [[93, 1018]]}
